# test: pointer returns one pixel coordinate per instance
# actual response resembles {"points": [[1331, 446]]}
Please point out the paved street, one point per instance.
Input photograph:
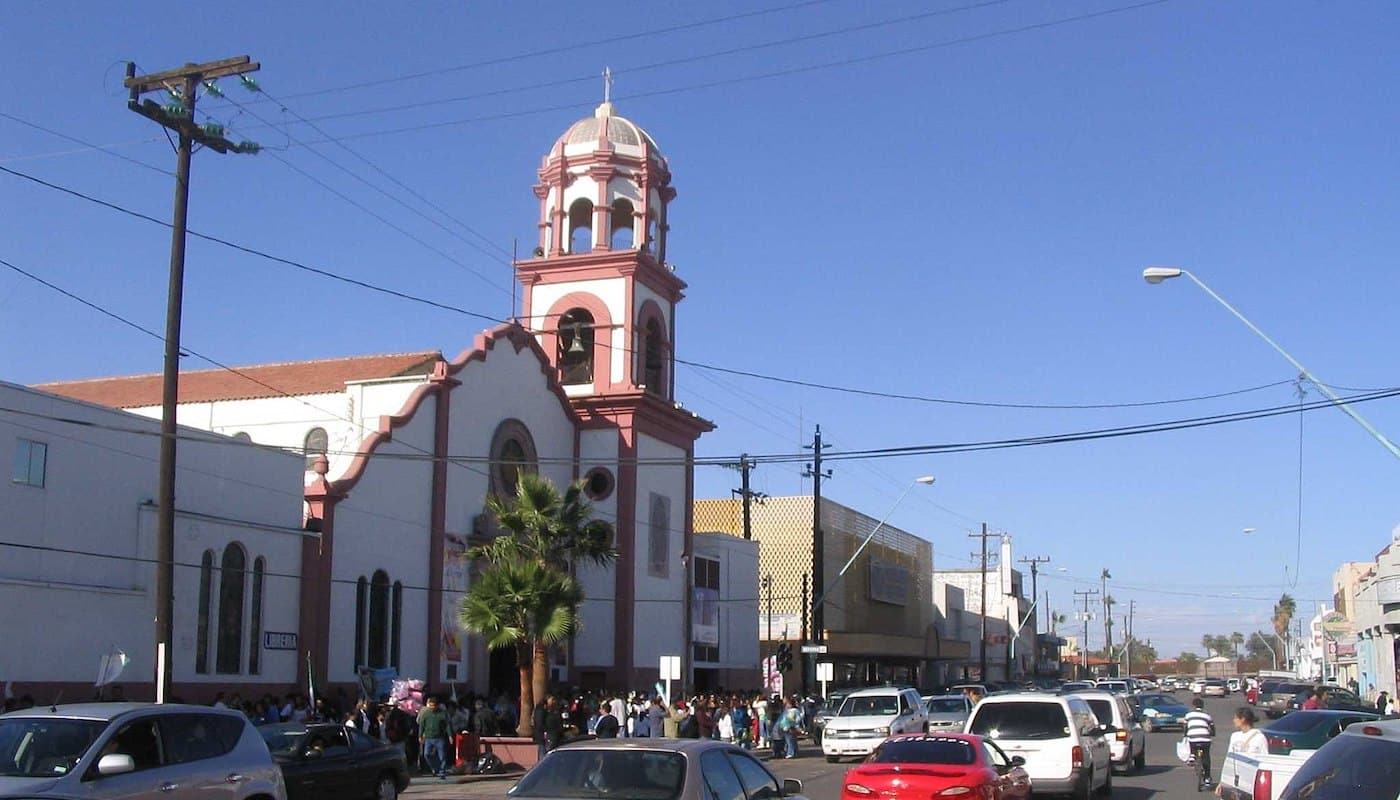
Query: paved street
{"points": [[1164, 779]]}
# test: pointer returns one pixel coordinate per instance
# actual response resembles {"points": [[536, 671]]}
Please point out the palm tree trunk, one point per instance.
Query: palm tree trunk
{"points": [[527, 690], [541, 669]]}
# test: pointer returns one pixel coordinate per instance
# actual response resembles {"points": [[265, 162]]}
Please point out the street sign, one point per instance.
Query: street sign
{"points": [[826, 671], [671, 668], [814, 648]]}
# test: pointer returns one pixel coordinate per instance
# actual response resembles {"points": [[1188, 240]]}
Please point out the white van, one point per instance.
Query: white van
{"points": [[1059, 737], [868, 716]]}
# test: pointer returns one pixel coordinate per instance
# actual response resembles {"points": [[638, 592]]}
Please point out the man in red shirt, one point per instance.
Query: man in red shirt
{"points": [[1315, 701]]}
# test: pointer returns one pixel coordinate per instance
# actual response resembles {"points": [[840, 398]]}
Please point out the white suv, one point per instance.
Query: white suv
{"points": [[1128, 743], [1059, 737], [135, 751], [868, 716]]}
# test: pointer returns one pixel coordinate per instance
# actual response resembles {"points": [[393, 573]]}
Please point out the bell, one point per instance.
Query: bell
{"points": [[576, 345]]}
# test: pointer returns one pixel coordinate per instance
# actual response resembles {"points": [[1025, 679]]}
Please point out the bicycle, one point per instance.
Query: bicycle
{"points": [[1200, 757]]}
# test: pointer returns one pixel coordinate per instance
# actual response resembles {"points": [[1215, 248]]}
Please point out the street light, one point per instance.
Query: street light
{"points": [[1155, 275], [924, 480]]}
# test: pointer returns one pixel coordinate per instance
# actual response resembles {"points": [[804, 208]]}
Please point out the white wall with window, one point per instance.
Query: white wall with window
{"points": [[726, 569], [76, 560], [659, 548]]}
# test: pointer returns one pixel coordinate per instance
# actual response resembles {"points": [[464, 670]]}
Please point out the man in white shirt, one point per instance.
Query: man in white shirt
{"points": [[1200, 730]]}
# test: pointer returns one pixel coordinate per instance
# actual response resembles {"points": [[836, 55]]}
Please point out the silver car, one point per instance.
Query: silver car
{"points": [[948, 711], [652, 769], [135, 751]]}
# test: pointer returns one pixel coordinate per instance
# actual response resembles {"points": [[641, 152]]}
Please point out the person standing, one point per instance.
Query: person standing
{"points": [[1382, 702], [789, 724], [1200, 731], [760, 715], [432, 737], [607, 725], [656, 718], [1246, 739]]}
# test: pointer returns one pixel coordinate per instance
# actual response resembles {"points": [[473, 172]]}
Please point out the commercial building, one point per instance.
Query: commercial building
{"points": [[1377, 621], [879, 616], [1011, 650]]}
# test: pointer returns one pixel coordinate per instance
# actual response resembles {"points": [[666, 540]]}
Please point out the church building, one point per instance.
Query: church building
{"points": [[402, 450]]}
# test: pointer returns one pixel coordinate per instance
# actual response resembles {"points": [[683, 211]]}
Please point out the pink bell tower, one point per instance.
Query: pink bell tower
{"points": [[601, 299]]}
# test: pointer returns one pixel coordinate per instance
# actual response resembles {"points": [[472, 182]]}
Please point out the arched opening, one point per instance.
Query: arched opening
{"points": [[651, 232], [575, 357], [395, 624], [255, 618], [315, 445], [654, 358], [206, 598], [512, 451], [228, 657], [580, 226], [623, 236], [361, 619], [378, 656]]}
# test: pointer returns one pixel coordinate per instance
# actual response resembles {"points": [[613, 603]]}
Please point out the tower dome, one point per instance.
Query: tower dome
{"points": [[607, 131]]}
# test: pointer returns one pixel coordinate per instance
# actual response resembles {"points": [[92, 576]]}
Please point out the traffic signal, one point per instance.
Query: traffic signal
{"points": [[784, 657]]}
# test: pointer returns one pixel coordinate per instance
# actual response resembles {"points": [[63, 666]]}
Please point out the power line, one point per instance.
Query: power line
{"points": [[87, 146]]}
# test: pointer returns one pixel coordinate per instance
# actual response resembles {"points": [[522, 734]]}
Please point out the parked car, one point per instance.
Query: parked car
{"points": [[1196, 685], [1115, 686], [1128, 743], [947, 711], [1076, 686], [919, 766], [1062, 742], [328, 760], [1160, 711], [1275, 697], [1310, 730], [833, 702], [652, 769], [135, 750], [1362, 763], [1233, 684], [1215, 688], [866, 717], [1335, 698]]}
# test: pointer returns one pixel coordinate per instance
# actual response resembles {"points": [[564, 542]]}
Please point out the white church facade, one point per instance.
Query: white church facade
{"points": [[401, 451]]}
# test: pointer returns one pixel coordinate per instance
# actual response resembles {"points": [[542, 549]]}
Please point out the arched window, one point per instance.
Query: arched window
{"points": [[659, 537], [654, 359], [228, 655], [623, 236], [361, 609], [512, 450], [378, 656], [255, 619], [580, 226], [206, 590], [576, 336], [316, 444], [395, 624]]}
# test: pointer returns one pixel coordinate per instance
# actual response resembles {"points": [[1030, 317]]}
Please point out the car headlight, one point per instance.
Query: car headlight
{"points": [[954, 791], [1149, 712], [885, 731]]}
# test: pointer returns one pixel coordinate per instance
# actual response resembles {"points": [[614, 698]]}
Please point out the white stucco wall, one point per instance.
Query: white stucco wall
{"points": [[738, 598], [595, 642], [96, 484], [612, 292], [659, 609]]}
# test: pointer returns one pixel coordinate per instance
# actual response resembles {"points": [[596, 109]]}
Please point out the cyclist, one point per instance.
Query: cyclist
{"points": [[1200, 730]]}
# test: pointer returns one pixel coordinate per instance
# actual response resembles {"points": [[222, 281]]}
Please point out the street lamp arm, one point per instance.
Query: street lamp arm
{"points": [[1302, 370], [868, 537]]}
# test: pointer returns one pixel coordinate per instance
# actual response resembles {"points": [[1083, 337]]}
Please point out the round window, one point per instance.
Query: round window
{"points": [[599, 483]]}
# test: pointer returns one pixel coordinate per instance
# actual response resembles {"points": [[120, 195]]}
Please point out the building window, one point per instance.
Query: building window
{"points": [[705, 610], [659, 537], [395, 624], [599, 483], [255, 624], [575, 357], [622, 236], [378, 656], [31, 462], [361, 609], [316, 445], [654, 359], [512, 450], [206, 589], [228, 657], [580, 226]]}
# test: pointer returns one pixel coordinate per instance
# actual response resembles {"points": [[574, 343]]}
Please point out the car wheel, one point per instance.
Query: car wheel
{"points": [[832, 759], [1086, 791], [388, 788]]}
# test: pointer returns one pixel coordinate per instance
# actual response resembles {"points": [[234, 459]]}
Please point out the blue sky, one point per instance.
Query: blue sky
{"points": [[965, 221]]}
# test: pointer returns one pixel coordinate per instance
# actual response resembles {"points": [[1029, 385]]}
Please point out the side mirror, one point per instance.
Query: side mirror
{"points": [[116, 764], [1018, 761], [791, 787]]}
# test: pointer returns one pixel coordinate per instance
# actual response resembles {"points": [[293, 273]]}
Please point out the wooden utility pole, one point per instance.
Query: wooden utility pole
{"points": [[182, 85], [1035, 584], [1107, 613], [746, 494], [818, 630], [982, 649], [1084, 645]]}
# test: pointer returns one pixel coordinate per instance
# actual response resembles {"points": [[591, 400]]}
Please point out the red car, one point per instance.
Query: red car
{"points": [[925, 765]]}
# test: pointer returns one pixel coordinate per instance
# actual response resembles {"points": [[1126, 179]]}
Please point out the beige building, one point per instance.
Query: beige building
{"points": [[879, 617]]}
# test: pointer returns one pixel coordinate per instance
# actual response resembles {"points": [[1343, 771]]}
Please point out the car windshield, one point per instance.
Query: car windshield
{"points": [[283, 740], [835, 702], [947, 705], [633, 774], [1298, 721], [1349, 768], [874, 705], [43, 747], [1021, 721], [1267, 687], [925, 750]]}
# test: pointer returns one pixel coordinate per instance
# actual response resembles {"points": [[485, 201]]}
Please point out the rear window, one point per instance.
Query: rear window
{"points": [[1298, 721], [1103, 709], [1021, 721], [951, 705], [925, 750], [634, 774], [1349, 768]]}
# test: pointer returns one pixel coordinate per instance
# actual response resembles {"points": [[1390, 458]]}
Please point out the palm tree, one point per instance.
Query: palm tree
{"points": [[1208, 642], [1284, 610], [1236, 639], [553, 531], [526, 606]]}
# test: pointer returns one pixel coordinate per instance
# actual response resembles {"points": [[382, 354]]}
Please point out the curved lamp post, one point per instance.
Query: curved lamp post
{"points": [[1155, 275]]}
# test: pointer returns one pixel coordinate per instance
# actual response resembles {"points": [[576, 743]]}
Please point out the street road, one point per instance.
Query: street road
{"points": [[1165, 778]]}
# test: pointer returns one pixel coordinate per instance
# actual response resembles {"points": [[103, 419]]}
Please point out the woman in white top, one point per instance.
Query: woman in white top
{"points": [[1246, 738]]}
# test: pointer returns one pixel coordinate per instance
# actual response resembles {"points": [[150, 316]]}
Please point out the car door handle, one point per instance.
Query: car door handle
{"points": [[234, 778], [169, 787]]}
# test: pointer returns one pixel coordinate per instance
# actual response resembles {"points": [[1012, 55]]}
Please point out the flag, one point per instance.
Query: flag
{"points": [[109, 668]]}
